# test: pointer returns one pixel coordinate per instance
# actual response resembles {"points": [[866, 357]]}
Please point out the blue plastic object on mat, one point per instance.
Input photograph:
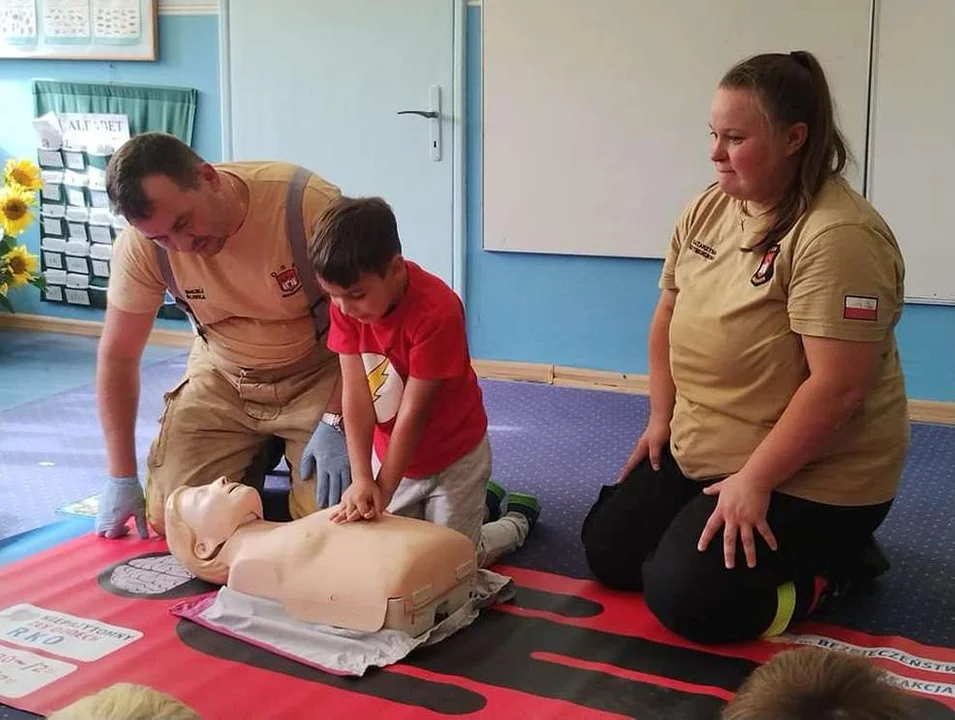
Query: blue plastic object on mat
{"points": [[31, 542]]}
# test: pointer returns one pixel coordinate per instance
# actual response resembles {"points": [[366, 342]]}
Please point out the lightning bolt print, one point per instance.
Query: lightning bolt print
{"points": [[376, 378]]}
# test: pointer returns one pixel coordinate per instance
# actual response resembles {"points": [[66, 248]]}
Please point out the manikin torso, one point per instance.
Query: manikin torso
{"points": [[347, 575]]}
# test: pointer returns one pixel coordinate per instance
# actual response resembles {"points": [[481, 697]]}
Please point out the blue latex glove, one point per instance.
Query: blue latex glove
{"points": [[326, 455], [121, 499]]}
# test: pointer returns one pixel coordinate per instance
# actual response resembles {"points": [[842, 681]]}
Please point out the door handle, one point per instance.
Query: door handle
{"points": [[434, 116], [422, 113]]}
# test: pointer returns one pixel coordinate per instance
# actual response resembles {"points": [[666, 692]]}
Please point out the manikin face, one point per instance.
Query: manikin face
{"points": [[753, 160], [215, 511], [372, 296], [187, 220]]}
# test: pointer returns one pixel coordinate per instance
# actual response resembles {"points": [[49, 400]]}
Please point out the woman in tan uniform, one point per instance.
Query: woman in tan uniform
{"points": [[778, 426]]}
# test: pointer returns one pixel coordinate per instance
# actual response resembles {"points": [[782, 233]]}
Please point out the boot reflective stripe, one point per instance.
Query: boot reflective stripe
{"points": [[785, 608]]}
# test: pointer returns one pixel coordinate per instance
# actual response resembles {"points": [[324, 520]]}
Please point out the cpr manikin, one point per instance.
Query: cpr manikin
{"points": [[394, 572]]}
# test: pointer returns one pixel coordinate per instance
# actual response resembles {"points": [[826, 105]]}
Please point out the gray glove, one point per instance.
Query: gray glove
{"points": [[326, 455], [121, 499]]}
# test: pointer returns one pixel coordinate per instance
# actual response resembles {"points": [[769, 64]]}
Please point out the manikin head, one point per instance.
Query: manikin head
{"points": [[200, 519]]}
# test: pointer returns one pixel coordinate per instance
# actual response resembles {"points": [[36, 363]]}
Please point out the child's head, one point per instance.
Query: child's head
{"points": [[126, 701], [356, 254], [817, 684]]}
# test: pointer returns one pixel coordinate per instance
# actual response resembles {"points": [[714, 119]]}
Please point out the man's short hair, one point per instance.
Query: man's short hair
{"points": [[151, 153], [354, 236]]}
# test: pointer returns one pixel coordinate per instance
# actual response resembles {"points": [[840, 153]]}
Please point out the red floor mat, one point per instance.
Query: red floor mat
{"points": [[91, 612]]}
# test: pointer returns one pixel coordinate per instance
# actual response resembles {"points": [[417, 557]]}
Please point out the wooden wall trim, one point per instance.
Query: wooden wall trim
{"points": [[928, 411]]}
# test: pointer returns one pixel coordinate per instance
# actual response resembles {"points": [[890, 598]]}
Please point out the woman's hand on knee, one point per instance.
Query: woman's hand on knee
{"points": [[651, 444], [741, 508]]}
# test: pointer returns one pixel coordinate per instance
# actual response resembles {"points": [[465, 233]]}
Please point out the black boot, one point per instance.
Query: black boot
{"points": [[856, 570], [871, 563]]}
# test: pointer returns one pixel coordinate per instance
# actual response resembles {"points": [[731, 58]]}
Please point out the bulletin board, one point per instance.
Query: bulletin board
{"points": [[79, 29], [78, 127], [77, 226]]}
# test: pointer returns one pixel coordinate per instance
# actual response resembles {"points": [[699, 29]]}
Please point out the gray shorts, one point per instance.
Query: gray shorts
{"points": [[453, 498]]}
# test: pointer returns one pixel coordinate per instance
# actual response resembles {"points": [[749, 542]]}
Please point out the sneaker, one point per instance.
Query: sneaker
{"points": [[526, 505], [492, 499]]}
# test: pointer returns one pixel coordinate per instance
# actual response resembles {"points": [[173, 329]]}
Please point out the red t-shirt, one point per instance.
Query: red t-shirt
{"points": [[423, 337]]}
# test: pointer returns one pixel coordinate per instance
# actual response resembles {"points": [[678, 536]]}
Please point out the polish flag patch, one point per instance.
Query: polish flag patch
{"points": [[860, 307]]}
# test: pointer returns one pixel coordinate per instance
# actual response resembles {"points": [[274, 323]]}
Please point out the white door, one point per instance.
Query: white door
{"points": [[322, 82]]}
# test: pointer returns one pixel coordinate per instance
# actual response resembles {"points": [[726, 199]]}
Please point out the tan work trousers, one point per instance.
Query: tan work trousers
{"points": [[217, 419]]}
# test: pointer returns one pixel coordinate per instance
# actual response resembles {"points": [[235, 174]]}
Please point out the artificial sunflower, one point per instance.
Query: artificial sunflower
{"points": [[20, 265], [23, 173], [15, 202]]}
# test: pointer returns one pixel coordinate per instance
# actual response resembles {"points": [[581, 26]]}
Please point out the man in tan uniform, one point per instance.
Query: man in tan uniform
{"points": [[229, 242]]}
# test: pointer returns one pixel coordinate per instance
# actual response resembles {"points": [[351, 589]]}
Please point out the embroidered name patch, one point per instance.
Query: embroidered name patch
{"points": [[859, 307], [702, 249]]}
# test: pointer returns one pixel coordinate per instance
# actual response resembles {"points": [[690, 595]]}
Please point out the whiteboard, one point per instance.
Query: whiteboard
{"points": [[912, 146], [595, 113]]}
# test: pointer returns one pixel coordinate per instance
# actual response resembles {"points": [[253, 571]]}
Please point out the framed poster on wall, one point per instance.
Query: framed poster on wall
{"points": [[79, 29]]}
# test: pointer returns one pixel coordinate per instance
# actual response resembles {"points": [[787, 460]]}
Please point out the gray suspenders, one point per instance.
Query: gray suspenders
{"points": [[298, 241], [162, 257]]}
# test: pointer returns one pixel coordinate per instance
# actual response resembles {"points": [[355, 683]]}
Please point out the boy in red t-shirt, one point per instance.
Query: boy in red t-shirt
{"points": [[409, 391]]}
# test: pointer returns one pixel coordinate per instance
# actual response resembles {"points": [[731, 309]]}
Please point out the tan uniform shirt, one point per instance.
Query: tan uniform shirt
{"points": [[735, 338], [247, 296]]}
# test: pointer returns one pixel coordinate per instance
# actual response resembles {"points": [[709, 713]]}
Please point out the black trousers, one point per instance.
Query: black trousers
{"points": [[642, 535]]}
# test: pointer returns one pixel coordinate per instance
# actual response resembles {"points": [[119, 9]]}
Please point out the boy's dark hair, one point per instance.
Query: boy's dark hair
{"points": [[151, 153], [354, 236], [817, 684]]}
